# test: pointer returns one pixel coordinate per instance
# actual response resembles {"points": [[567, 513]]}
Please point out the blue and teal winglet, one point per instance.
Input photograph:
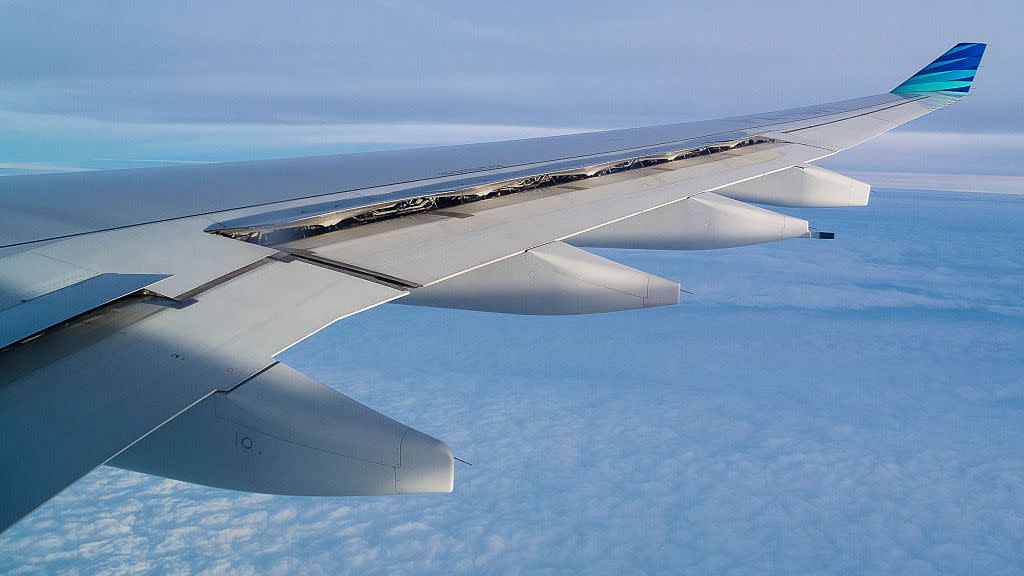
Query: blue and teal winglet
{"points": [[950, 74]]}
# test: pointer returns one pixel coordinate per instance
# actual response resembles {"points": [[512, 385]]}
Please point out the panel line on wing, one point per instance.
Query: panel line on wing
{"points": [[381, 278], [868, 113], [185, 296]]}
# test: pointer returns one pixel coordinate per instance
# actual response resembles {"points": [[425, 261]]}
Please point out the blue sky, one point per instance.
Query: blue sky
{"points": [[111, 84], [852, 406]]}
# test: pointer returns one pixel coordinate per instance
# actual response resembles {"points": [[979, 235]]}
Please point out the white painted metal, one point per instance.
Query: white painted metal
{"points": [[803, 187], [27, 275], [178, 250], [839, 135], [284, 433], [552, 279], [87, 391]]}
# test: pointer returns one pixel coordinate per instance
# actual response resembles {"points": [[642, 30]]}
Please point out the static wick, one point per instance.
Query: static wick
{"points": [[461, 460]]}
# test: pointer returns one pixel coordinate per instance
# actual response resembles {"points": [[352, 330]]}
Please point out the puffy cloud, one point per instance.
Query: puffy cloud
{"points": [[844, 407]]}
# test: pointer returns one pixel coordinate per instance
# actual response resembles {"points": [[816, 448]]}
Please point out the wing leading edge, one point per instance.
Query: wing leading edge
{"points": [[174, 373]]}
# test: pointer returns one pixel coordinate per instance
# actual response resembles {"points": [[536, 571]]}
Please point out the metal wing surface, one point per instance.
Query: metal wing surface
{"points": [[141, 310]]}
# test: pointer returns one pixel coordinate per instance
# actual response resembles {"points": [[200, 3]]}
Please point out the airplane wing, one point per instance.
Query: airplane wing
{"points": [[141, 311]]}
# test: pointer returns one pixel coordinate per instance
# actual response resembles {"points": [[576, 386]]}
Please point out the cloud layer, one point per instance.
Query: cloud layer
{"points": [[814, 407]]}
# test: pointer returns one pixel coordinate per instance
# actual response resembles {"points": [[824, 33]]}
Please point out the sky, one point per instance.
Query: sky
{"points": [[110, 84], [826, 407]]}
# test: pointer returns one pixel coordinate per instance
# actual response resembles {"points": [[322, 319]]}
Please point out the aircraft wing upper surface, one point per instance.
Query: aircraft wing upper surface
{"points": [[141, 310]]}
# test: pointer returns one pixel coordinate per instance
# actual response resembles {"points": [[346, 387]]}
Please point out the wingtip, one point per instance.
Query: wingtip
{"points": [[951, 73]]}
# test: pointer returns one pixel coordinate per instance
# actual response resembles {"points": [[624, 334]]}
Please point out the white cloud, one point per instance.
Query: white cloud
{"points": [[37, 167], [230, 135], [987, 183], [818, 408]]}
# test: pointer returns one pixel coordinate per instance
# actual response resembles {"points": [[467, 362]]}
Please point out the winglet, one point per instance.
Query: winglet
{"points": [[951, 73]]}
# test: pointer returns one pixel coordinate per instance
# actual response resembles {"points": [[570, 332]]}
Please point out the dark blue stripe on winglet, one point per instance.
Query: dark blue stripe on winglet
{"points": [[976, 50], [965, 64], [964, 57]]}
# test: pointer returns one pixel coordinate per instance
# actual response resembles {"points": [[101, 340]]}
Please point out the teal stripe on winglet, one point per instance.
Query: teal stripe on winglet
{"points": [[930, 87], [953, 71], [941, 76]]}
